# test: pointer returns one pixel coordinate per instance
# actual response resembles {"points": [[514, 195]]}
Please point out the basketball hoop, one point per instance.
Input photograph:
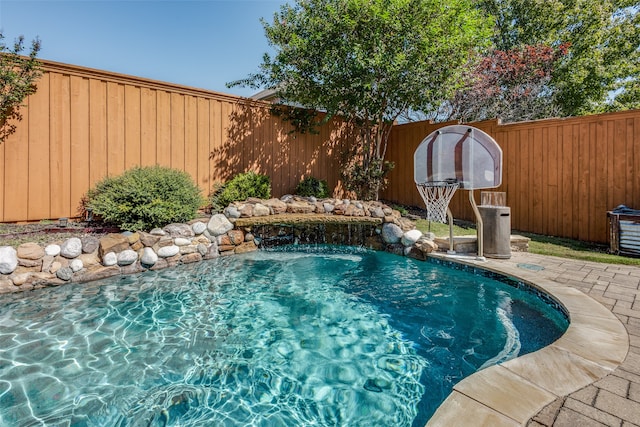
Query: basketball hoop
{"points": [[436, 196]]}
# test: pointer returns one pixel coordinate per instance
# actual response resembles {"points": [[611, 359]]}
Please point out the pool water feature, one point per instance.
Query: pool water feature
{"points": [[312, 335]]}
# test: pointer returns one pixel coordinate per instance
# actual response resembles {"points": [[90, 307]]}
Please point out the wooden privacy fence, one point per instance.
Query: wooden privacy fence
{"points": [[83, 125], [561, 176]]}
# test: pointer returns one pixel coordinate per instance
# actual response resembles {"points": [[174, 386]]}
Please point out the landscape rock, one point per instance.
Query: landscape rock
{"points": [[212, 251], [219, 225], [410, 237], [198, 227], [30, 251], [113, 243], [246, 210], [232, 212], [76, 265], [96, 273], [202, 249], [30, 263], [89, 259], [55, 266], [190, 258], [261, 210], [89, 244], [71, 248], [246, 247], [47, 260], [158, 232], [148, 239], [127, 257], [8, 260], [377, 212], [132, 238], [236, 237], [187, 249], [423, 247], [35, 278], [52, 250], [65, 273], [276, 205], [168, 251], [328, 207], [179, 230], [181, 241], [300, 208], [109, 259], [7, 286], [149, 257], [391, 233]]}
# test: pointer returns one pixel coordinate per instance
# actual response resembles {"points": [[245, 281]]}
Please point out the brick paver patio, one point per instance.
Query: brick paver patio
{"points": [[615, 399]]}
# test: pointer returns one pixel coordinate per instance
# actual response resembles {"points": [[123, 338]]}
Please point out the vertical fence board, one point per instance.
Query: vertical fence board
{"points": [[583, 181], [619, 156], [512, 172], [191, 137], [60, 158], [634, 196], [177, 131], [97, 131], [552, 189], [565, 193], [597, 227], [216, 143], [132, 120], [79, 139], [115, 129], [203, 149], [148, 136], [16, 167], [163, 128], [39, 153]]}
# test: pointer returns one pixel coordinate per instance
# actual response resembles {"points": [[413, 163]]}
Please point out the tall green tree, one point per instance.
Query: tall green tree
{"points": [[18, 75], [369, 61], [601, 70]]}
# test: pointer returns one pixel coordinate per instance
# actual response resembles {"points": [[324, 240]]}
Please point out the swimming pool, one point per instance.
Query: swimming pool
{"points": [[315, 335]]}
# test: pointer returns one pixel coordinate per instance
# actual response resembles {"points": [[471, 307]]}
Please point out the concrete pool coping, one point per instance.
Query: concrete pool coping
{"points": [[512, 393]]}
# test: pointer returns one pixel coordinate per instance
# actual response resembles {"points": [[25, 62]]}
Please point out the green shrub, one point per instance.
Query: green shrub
{"points": [[315, 187], [241, 187], [145, 197]]}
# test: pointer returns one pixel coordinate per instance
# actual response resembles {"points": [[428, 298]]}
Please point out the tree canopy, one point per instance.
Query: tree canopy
{"points": [[601, 70], [513, 85], [18, 75], [369, 61]]}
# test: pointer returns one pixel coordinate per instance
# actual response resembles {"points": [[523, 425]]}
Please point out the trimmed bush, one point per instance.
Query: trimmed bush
{"points": [[145, 197], [315, 187], [241, 187]]}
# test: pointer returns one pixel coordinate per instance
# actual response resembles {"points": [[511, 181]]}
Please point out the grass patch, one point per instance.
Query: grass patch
{"points": [[539, 244], [575, 249], [442, 230]]}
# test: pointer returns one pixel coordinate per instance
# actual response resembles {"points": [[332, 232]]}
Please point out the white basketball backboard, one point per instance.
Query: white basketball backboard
{"points": [[461, 153]]}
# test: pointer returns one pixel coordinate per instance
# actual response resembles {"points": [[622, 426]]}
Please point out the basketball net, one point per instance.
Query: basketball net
{"points": [[436, 196]]}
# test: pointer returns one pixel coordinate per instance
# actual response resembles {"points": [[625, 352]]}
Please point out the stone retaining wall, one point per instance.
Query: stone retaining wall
{"points": [[243, 227]]}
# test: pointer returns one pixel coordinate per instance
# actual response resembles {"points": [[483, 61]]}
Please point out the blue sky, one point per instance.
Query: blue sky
{"points": [[199, 43]]}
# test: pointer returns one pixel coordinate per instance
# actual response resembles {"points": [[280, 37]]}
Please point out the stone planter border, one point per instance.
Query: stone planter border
{"points": [[243, 227]]}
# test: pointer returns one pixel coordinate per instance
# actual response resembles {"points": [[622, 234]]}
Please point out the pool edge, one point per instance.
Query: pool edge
{"points": [[511, 393]]}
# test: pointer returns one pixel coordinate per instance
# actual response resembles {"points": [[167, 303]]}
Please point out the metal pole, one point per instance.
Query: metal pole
{"points": [[452, 249], [479, 228]]}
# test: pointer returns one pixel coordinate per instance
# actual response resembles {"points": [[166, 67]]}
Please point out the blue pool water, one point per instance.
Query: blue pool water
{"points": [[309, 336]]}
